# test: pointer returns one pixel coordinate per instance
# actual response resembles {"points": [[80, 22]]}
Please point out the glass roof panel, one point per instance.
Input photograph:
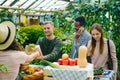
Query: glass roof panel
{"points": [[50, 4], [29, 2], [44, 3], [1, 1], [8, 2], [35, 4], [20, 2], [59, 5]]}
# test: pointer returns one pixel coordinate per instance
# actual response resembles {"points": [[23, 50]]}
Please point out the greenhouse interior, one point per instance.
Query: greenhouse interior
{"points": [[59, 39]]}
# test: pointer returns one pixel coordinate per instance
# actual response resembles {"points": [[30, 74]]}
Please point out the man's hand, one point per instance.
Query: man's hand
{"points": [[40, 56]]}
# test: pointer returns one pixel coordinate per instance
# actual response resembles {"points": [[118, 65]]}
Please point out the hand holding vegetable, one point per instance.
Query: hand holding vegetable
{"points": [[32, 48]]}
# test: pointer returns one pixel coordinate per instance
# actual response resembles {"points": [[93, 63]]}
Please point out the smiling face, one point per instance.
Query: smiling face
{"points": [[48, 29], [96, 34]]}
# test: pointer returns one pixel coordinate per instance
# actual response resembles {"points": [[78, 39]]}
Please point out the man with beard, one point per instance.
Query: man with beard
{"points": [[82, 36], [50, 44]]}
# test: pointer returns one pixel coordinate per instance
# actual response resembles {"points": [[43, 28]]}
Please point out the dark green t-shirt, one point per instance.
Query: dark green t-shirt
{"points": [[50, 48]]}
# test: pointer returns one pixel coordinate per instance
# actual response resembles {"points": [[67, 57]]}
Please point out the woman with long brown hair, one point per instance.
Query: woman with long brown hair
{"points": [[98, 48]]}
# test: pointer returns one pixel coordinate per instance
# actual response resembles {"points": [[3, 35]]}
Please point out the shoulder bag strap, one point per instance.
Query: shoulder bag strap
{"points": [[110, 66], [108, 48]]}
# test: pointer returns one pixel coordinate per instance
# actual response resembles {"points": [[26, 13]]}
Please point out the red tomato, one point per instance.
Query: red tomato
{"points": [[37, 69], [71, 62], [76, 61], [60, 61], [65, 62]]}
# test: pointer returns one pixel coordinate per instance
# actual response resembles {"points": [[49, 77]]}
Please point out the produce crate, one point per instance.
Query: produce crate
{"points": [[30, 75], [34, 76], [48, 75]]}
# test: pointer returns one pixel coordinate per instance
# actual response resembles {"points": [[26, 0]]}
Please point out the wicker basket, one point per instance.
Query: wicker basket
{"points": [[34, 76], [23, 67]]}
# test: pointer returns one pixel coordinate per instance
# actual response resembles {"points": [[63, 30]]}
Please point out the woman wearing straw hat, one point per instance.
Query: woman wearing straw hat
{"points": [[10, 52]]}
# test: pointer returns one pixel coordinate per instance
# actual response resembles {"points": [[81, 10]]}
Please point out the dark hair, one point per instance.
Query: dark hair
{"points": [[15, 45], [81, 20], [93, 42]]}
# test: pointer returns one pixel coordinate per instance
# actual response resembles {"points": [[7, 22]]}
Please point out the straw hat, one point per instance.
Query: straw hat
{"points": [[7, 34]]}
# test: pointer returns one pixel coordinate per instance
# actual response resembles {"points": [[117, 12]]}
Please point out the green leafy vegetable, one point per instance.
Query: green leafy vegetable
{"points": [[98, 71], [32, 45], [3, 68], [48, 63]]}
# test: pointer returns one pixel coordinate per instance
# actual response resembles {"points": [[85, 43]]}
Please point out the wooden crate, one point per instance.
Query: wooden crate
{"points": [[35, 76], [33, 21], [47, 75]]}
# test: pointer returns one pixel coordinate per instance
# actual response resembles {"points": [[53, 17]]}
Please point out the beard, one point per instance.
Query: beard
{"points": [[78, 32], [76, 29]]}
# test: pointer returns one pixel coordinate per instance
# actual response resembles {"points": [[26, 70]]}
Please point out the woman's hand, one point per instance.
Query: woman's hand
{"points": [[32, 56]]}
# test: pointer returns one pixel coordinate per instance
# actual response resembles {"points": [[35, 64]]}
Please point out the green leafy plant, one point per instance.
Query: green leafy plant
{"points": [[5, 14], [21, 36], [3, 68], [67, 44], [29, 34]]}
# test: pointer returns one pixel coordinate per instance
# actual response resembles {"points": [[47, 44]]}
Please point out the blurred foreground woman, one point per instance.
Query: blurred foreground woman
{"points": [[11, 53]]}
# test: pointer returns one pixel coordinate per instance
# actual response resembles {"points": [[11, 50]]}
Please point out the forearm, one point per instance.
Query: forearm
{"points": [[53, 56]]}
